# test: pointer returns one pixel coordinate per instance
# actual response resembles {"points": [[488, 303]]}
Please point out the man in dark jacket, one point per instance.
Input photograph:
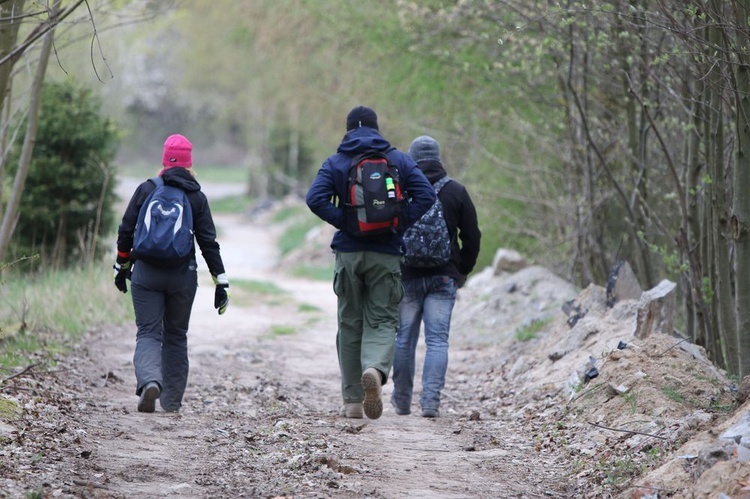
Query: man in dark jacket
{"points": [[430, 293], [367, 274]]}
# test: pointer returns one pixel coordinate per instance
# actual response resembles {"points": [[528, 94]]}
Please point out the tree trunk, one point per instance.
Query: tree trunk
{"points": [[8, 39], [24, 162], [741, 215]]}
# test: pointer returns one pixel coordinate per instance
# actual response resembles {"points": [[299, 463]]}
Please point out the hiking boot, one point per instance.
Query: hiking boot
{"points": [[430, 413], [372, 385], [149, 394], [399, 410], [351, 410]]}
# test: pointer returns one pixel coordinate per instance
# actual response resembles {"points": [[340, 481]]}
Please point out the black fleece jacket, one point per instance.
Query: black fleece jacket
{"points": [[461, 219], [203, 222]]}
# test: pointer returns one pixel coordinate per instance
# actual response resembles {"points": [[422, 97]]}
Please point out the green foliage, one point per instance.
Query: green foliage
{"points": [[20, 349], [435, 67], [290, 159], [311, 272], [670, 258], [673, 394], [231, 204], [631, 398], [278, 330], [66, 206], [306, 307], [9, 409], [298, 221], [287, 213], [618, 471], [536, 107], [68, 301], [257, 287], [529, 331], [294, 235], [204, 173], [43, 313]]}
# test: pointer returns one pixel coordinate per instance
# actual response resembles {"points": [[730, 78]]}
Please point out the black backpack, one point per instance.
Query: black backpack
{"points": [[374, 198], [427, 243]]}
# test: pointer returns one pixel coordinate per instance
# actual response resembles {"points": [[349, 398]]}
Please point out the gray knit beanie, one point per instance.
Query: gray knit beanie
{"points": [[424, 148]]}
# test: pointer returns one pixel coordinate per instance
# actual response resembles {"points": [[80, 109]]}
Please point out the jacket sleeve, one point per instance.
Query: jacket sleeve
{"points": [[321, 194], [468, 233], [205, 234], [126, 230], [419, 191]]}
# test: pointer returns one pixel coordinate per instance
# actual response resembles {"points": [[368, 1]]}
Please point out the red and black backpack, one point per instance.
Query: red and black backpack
{"points": [[374, 197]]}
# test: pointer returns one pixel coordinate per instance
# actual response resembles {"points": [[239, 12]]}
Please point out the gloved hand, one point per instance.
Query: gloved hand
{"points": [[122, 273], [221, 295]]}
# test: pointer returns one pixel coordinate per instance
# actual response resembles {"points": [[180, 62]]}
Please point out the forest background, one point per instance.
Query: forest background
{"points": [[585, 135]]}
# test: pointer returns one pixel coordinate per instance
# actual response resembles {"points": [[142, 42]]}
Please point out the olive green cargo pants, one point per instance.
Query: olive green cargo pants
{"points": [[368, 287]]}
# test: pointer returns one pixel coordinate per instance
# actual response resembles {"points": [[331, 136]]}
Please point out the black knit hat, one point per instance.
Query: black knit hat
{"points": [[361, 116], [424, 147]]}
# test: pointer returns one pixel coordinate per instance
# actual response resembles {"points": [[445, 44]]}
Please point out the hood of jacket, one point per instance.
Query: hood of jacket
{"points": [[432, 169], [362, 139], [180, 177]]}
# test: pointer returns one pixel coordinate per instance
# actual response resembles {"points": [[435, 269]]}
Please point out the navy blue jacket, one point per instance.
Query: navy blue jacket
{"points": [[331, 181], [203, 222]]}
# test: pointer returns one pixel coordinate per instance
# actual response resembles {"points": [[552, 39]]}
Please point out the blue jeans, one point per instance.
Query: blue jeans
{"points": [[431, 300]]}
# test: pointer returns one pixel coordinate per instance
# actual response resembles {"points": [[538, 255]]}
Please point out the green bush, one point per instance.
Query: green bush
{"points": [[67, 204]]}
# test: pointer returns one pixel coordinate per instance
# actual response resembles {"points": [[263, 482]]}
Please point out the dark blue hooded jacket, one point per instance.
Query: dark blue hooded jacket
{"points": [[331, 181]]}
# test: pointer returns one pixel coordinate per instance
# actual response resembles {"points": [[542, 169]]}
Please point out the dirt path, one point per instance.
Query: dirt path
{"points": [[260, 413]]}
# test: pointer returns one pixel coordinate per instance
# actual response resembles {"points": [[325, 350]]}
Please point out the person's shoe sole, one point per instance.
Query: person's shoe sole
{"points": [[373, 403], [147, 402], [430, 413]]}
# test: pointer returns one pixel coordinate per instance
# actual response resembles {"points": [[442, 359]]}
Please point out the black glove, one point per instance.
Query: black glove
{"points": [[122, 273], [221, 295]]}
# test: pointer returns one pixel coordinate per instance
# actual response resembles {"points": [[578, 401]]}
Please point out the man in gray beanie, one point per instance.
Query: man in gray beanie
{"points": [[425, 148], [367, 273], [430, 292]]}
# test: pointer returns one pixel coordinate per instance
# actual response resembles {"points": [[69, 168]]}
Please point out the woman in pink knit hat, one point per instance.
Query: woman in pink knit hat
{"points": [[163, 285]]}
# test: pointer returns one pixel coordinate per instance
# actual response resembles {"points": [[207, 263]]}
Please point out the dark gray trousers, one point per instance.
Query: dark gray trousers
{"points": [[162, 301]]}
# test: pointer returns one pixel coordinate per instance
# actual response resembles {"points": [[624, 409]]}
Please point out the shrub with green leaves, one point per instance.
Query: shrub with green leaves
{"points": [[67, 203]]}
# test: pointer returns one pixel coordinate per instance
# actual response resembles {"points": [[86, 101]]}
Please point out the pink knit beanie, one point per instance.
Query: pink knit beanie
{"points": [[177, 152]]}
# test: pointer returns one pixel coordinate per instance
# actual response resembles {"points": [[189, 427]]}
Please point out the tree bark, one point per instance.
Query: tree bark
{"points": [[741, 215], [24, 162], [8, 39]]}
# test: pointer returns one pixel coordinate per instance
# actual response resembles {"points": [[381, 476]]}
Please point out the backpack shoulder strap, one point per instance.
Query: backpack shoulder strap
{"points": [[157, 181], [441, 183]]}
